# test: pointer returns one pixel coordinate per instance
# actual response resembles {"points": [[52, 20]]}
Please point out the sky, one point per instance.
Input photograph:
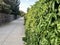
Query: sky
{"points": [[24, 4]]}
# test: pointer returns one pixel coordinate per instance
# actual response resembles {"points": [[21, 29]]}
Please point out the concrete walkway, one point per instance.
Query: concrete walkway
{"points": [[12, 33]]}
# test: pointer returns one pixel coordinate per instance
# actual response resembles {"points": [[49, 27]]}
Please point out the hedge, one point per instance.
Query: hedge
{"points": [[42, 23]]}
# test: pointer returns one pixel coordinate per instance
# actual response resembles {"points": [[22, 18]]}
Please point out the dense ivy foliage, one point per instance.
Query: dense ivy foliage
{"points": [[42, 23]]}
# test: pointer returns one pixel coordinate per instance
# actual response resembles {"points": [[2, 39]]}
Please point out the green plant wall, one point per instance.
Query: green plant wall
{"points": [[42, 23]]}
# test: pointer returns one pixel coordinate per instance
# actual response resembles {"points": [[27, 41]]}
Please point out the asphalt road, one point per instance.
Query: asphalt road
{"points": [[12, 33]]}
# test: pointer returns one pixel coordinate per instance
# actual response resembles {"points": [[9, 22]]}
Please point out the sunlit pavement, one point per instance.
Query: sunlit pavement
{"points": [[12, 33]]}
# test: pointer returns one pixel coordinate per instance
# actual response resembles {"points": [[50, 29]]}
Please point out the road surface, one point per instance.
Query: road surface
{"points": [[12, 33]]}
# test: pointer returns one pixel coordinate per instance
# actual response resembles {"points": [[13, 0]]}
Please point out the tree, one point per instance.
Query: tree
{"points": [[14, 6], [28, 9], [22, 13], [4, 7]]}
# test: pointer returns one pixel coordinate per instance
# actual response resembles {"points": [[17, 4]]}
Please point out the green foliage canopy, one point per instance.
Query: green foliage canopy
{"points": [[4, 7], [22, 13], [14, 5]]}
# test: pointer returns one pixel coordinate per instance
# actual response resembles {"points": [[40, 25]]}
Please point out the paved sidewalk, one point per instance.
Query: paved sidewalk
{"points": [[12, 33]]}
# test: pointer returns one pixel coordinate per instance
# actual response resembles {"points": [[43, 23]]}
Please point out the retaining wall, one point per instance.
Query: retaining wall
{"points": [[6, 18]]}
